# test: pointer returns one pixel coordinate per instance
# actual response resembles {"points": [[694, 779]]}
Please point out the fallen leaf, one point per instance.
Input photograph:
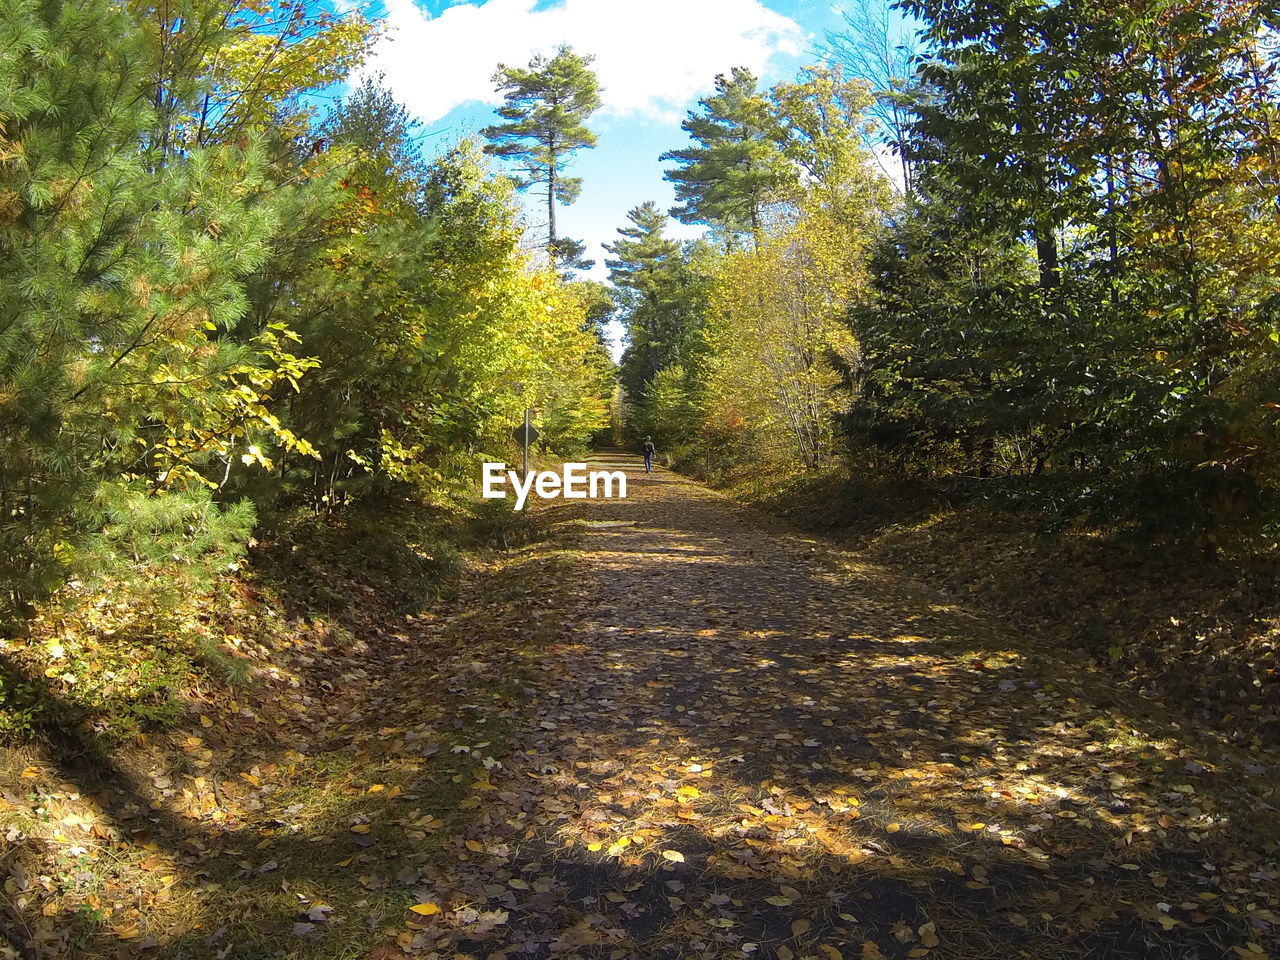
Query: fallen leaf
{"points": [[928, 935]]}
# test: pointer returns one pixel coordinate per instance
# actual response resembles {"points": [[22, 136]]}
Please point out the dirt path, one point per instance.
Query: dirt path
{"points": [[747, 744], [672, 729]]}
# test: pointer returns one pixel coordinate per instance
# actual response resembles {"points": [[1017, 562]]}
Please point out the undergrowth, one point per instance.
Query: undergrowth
{"points": [[110, 660], [277, 771]]}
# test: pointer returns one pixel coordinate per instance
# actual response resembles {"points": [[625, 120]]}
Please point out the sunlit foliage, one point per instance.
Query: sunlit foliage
{"points": [[215, 301]]}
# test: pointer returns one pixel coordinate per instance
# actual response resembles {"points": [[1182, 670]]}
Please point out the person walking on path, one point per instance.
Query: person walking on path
{"points": [[649, 450]]}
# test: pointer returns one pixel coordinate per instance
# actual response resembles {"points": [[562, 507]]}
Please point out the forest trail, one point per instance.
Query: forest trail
{"points": [[670, 729], [744, 743]]}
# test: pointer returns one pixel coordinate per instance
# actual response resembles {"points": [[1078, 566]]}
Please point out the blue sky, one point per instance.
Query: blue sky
{"points": [[655, 58]]}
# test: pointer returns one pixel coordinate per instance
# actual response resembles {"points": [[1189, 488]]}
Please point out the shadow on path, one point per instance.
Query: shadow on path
{"points": [[749, 744]]}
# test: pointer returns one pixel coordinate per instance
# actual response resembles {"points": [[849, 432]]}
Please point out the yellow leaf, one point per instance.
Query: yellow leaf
{"points": [[675, 856], [831, 952], [126, 931], [360, 828], [929, 935], [594, 847], [377, 788], [475, 846], [425, 909], [689, 792], [871, 951], [894, 827], [778, 901]]}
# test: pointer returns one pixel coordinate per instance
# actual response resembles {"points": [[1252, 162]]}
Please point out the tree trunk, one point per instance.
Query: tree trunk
{"points": [[1047, 256], [553, 162], [551, 213]]}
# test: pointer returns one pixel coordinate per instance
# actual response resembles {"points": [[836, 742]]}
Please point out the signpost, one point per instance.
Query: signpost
{"points": [[525, 435]]}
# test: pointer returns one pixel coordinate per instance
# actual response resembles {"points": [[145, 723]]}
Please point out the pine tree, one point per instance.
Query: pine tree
{"points": [[641, 252], [546, 109], [725, 179], [43, 109], [645, 274], [120, 281], [659, 296]]}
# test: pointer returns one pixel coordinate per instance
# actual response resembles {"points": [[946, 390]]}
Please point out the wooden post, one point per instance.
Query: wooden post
{"points": [[526, 443]]}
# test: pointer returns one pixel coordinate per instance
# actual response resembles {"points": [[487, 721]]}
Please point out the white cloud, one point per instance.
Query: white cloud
{"points": [[652, 56]]}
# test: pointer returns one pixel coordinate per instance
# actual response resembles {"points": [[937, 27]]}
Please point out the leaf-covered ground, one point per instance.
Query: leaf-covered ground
{"points": [[672, 730]]}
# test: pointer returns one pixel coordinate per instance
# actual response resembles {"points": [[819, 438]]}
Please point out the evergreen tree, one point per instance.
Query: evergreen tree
{"points": [[641, 254], [1127, 153], [120, 283], [660, 295], [644, 273], [724, 180], [380, 133], [545, 111]]}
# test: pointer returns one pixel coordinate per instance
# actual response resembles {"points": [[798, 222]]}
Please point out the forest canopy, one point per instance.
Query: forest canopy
{"points": [[1072, 284]]}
